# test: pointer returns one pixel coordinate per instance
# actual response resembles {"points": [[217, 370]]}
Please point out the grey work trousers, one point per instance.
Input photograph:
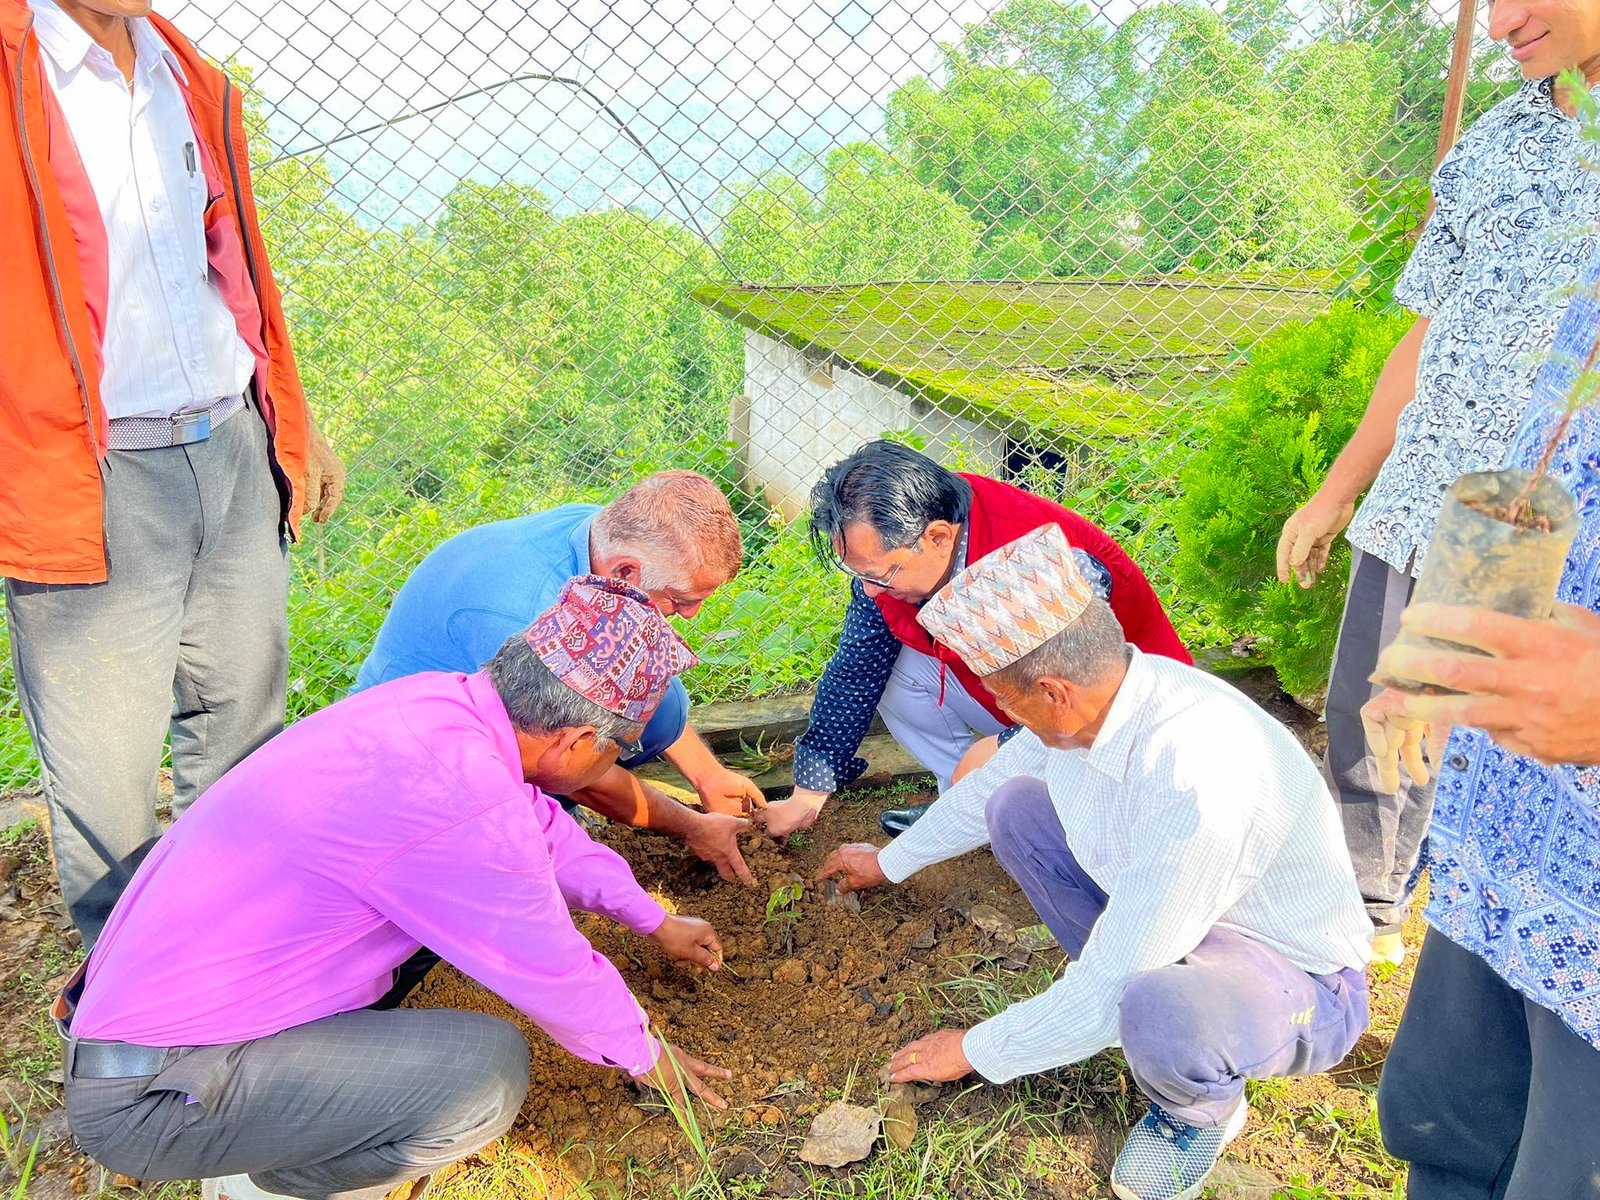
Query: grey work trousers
{"points": [[1384, 832], [1487, 1095], [344, 1108], [188, 634]]}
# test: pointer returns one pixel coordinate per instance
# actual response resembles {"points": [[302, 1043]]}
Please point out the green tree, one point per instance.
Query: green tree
{"points": [[874, 220], [1266, 449]]}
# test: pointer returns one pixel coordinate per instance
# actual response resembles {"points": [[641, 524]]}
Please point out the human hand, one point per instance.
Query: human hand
{"points": [[855, 866], [1535, 689], [323, 487], [714, 838], [1395, 735], [691, 940], [1307, 537], [799, 811], [937, 1058], [726, 791], [679, 1076]]}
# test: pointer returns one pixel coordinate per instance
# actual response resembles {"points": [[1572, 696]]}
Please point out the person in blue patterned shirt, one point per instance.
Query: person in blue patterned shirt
{"points": [[1492, 1086], [1488, 281]]}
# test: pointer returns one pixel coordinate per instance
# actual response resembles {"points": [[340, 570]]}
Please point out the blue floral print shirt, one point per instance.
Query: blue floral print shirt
{"points": [[1514, 853], [1492, 271]]}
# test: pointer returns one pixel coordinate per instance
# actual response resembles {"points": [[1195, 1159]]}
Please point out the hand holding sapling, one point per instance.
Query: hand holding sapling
{"points": [[690, 940]]}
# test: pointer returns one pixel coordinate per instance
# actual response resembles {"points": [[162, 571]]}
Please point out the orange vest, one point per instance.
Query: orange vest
{"points": [[53, 426]]}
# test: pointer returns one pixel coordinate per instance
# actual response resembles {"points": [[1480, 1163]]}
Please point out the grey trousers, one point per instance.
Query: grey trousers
{"points": [[345, 1107], [1486, 1094], [1192, 1031], [188, 635], [1383, 832]]}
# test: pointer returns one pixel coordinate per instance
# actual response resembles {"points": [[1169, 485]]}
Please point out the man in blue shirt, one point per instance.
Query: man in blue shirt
{"points": [[1492, 1086], [671, 535]]}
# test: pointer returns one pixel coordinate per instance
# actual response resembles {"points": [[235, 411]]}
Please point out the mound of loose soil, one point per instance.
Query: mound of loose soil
{"points": [[803, 1007]]}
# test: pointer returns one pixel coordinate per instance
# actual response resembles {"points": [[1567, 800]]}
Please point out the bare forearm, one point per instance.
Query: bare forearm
{"points": [[1363, 455], [622, 796], [692, 757]]}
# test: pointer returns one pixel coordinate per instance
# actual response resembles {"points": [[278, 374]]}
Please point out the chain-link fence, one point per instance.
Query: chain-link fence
{"points": [[530, 253]]}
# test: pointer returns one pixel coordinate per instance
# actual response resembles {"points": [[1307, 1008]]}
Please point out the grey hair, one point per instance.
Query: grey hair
{"points": [[1086, 652], [675, 522], [538, 702]]}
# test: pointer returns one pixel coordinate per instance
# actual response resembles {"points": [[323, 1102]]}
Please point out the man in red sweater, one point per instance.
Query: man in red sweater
{"points": [[900, 526]]}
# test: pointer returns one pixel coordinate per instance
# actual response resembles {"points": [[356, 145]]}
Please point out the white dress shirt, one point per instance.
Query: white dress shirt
{"points": [[170, 341], [1193, 809]]}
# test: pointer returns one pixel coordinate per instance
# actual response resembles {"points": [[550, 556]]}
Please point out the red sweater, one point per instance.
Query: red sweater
{"points": [[1000, 515]]}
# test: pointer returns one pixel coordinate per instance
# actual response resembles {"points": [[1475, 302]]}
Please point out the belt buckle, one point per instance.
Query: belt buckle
{"points": [[190, 427]]}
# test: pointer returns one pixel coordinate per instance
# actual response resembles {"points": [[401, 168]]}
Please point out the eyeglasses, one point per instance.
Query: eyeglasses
{"points": [[630, 749], [885, 582]]}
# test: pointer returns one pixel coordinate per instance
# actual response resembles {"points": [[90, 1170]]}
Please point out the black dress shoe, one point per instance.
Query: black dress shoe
{"points": [[895, 821]]}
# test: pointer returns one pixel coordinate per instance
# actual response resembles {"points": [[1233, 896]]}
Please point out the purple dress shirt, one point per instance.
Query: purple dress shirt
{"points": [[396, 818]]}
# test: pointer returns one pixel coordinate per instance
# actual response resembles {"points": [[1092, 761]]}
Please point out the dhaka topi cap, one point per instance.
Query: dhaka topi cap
{"points": [[1010, 602], [606, 641]]}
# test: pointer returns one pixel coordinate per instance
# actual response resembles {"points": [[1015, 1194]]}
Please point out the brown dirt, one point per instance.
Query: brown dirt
{"points": [[793, 1045], [802, 1010]]}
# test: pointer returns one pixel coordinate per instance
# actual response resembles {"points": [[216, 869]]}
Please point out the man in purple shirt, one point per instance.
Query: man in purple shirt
{"points": [[221, 1028]]}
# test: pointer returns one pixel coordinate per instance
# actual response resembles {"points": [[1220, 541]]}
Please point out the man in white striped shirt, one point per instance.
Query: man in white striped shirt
{"points": [[1179, 843]]}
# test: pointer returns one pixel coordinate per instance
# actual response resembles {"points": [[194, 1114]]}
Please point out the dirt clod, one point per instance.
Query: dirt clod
{"points": [[791, 971]]}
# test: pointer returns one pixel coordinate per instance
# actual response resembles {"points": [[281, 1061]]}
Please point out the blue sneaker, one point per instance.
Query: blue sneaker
{"points": [[1164, 1159]]}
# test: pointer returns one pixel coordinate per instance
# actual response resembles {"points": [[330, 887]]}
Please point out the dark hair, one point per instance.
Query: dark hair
{"points": [[892, 488], [538, 702]]}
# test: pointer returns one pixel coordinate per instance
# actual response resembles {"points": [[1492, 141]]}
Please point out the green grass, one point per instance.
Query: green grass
{"points": [[1056, 363]]}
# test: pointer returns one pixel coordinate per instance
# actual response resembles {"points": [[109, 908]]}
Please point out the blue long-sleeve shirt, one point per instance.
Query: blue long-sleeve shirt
{"points": [[853, 682]]}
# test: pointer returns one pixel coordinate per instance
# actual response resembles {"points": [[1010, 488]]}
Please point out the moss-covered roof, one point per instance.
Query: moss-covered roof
{"points": [[1051, 362]]}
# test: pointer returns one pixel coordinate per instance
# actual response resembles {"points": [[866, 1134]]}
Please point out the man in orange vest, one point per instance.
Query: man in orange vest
{"points": [[901, 526], [158, 451]]}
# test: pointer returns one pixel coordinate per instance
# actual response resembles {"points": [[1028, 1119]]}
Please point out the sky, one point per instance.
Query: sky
{"points": [[720, 90]]}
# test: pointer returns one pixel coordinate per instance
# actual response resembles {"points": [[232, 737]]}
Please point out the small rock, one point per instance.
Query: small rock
{"points": [[1034, 938], [742, 1164], [832, 896], [788, 1184], [915, 1094], [790, 971], [925, 940], [841, 1134], [993, 922], [960, 901], [1016, 959]]}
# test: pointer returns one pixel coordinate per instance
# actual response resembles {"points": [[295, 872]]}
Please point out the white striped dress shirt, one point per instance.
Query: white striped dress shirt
{"points": [[1192, 809], [170, 341]]}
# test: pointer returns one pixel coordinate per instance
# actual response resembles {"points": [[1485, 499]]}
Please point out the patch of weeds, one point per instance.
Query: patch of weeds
{"points": [[18, 1153], [507, 1172]]}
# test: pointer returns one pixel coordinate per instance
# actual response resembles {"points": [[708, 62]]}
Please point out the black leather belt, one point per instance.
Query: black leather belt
{"points": [[100, 1060], [114, 1060]]}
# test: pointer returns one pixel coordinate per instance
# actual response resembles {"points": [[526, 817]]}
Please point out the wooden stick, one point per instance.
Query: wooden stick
{"points": [[1455, 95]]}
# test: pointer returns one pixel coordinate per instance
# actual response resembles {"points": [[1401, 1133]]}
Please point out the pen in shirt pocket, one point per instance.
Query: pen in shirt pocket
{"points": [[188, 157]]}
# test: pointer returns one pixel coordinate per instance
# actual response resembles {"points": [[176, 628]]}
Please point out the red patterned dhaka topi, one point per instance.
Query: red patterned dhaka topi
{"points": [[608, 642]]}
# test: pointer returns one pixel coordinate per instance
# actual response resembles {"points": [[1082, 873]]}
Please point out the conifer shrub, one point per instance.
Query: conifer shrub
{"points": [[1269, 444]]}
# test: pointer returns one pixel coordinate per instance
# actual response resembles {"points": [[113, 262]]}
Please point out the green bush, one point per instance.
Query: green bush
{"points": [[1268, 447]]}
